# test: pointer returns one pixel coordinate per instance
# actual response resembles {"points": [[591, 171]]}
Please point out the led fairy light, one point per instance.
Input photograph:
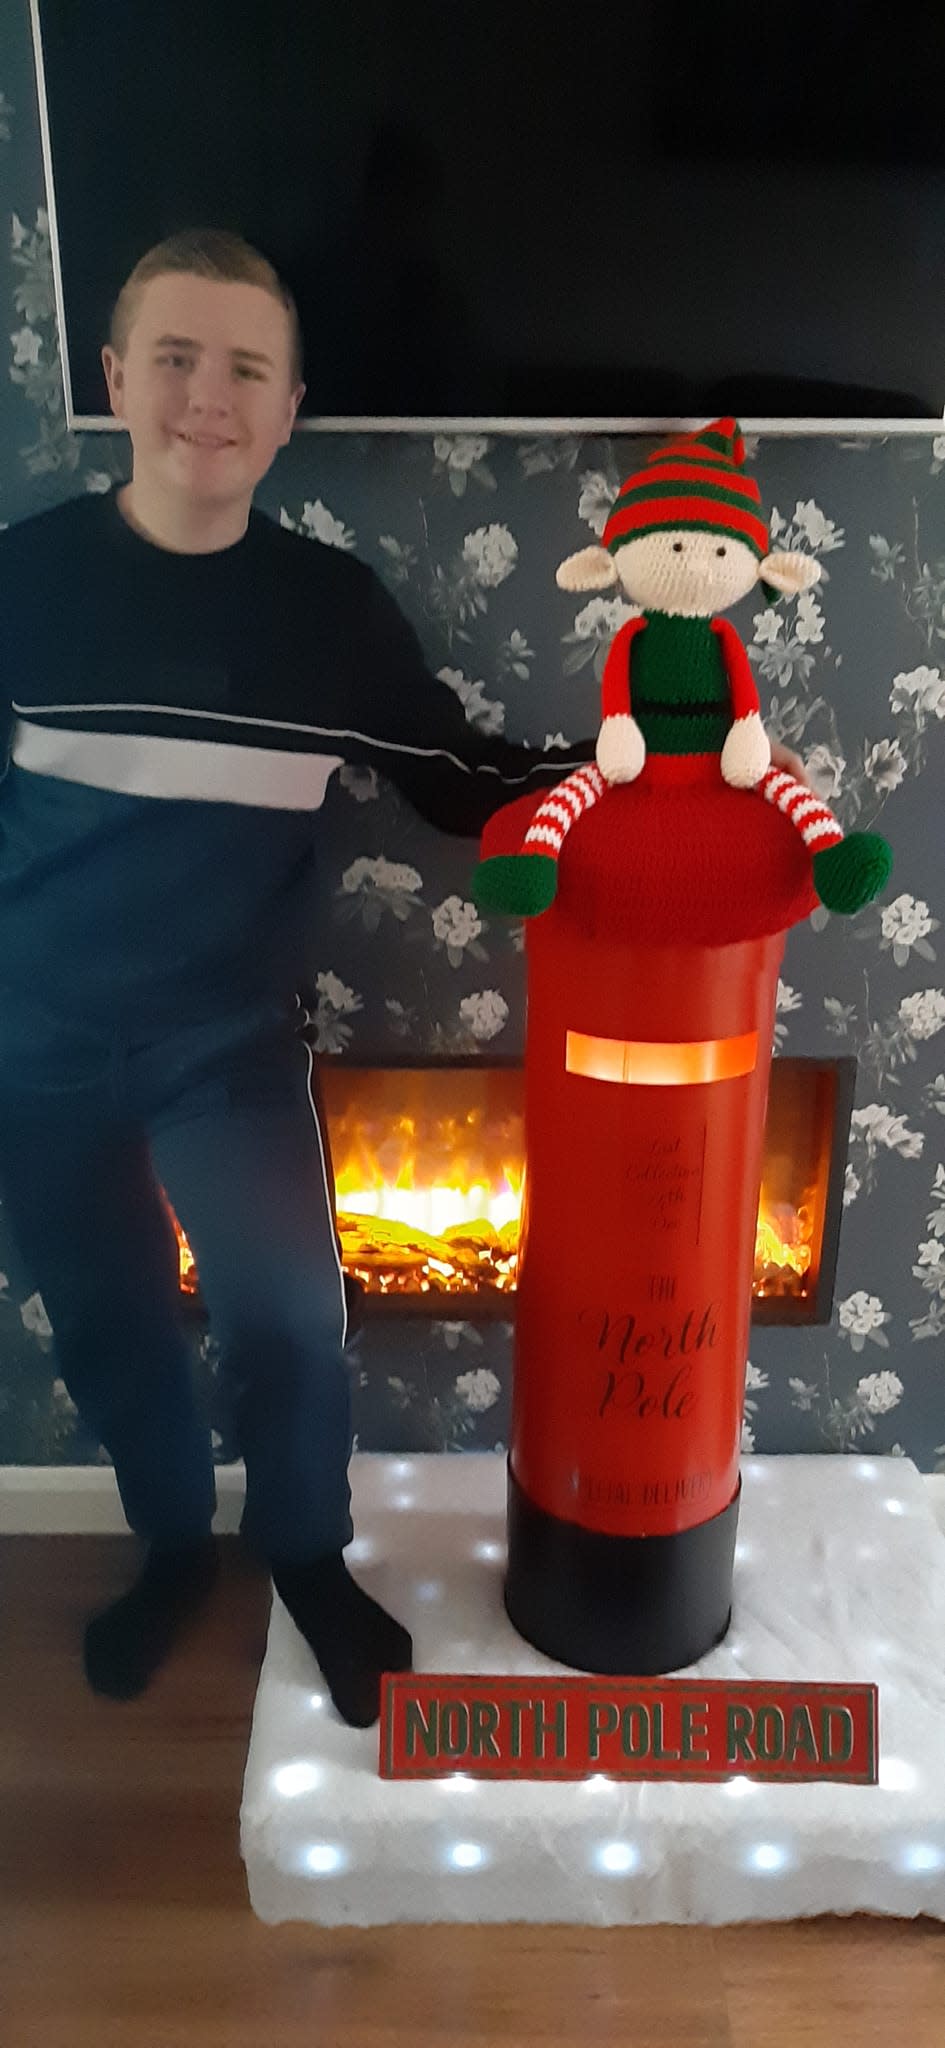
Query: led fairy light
{"points": [[466, 1856], [323, 1859], [769, 1857], [619, 1858], [291, 1780]]}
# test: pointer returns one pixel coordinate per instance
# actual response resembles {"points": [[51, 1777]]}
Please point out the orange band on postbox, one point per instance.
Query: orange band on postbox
{"points": [[652, 1063]]}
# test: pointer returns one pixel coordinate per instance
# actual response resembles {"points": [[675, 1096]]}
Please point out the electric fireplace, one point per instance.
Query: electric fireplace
{"points": [[429, 1176]]}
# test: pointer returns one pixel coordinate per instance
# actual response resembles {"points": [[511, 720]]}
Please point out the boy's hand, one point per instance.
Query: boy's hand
{"points": [[791, 764]]}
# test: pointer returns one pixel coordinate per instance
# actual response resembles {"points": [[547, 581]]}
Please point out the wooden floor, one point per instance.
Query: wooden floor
{"points": [[124, 1921]]}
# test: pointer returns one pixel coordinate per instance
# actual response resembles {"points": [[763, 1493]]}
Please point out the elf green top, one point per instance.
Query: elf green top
{"points": [[685, 539]]}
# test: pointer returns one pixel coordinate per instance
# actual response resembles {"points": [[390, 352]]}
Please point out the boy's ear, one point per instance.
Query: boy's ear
{"points": [[295, 401], [111, 365], [789, 573], [589, 569]]}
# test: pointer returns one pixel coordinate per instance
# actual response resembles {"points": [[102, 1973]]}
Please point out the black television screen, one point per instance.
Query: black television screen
{"points": [[499, 210]]}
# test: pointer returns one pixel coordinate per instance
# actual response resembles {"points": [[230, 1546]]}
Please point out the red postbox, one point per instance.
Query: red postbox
{"points": [[650, 1018]]}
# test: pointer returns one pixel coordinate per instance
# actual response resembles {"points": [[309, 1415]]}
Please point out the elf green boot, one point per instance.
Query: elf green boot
{"points": [[515, 884], [851, 873]]}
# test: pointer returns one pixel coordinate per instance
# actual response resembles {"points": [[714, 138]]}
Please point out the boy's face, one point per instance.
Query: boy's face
{"points": [[204, 386]]}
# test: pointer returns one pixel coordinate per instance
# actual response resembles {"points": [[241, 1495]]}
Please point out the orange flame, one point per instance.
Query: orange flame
{"points": [[402, 1238]]}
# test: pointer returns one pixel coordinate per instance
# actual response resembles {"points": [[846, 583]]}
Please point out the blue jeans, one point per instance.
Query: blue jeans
{"points": [[223, 1116]]}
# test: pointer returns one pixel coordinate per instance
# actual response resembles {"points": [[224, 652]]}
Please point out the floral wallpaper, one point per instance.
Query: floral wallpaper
{"points": [[466, 530]]}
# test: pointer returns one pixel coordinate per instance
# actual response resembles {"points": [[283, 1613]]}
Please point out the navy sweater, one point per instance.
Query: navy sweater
{"points": [[173, 723]]}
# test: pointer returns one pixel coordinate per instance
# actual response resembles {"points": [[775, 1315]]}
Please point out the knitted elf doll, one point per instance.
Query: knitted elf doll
{"points": [[685, 540]]}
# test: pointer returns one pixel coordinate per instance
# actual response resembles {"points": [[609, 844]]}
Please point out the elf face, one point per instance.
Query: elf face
{"points": [[684, 572]]}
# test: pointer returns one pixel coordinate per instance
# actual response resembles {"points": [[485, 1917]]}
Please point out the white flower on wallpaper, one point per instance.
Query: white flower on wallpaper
{"points": [[887, 1043], [851, 1186], [875, 1129], [449, 1416], [588, 642], [36, 367], [808, 620], [491, 554], [602, 617], [905, 925], [598, 492], [782, 656], [879, 1392], [456, 929], [888, 557], [787, 1000], [478, 1390], [317, 523], [456, 1334], [862, 1317], [515, 655], [840, 1016], [809, 527], [484, 1014], [824, 770], [767, 627], [923, 1015], [755, 1382], [929, 1267], [886, 765], [400, 559], [26, 347], [842, 1418], [402, 1020], [486, 715], [784, 636], [461, 456], [747, 1444], [335, 1004], [34, 1319], [540, 458], [371, 886], [63, 1404], [920, 692], [880, 1126], [363, 784], [458, 595]]}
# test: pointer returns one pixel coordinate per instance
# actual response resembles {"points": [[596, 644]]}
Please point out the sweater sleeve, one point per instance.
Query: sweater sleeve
{"points": [[414, 729]]}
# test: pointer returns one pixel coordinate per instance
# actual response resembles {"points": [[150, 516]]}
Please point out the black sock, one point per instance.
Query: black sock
{"points": [[125, 1645], [352, 1637]]}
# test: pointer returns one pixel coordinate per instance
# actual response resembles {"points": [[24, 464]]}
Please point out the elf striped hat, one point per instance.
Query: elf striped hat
{"points": [[696, 482]]}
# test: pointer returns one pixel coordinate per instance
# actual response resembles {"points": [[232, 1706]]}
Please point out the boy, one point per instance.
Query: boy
{"points": [[185, 678]]}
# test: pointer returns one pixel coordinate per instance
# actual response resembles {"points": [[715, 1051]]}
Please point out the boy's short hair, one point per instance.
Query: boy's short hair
{"points": [[206, 252]]}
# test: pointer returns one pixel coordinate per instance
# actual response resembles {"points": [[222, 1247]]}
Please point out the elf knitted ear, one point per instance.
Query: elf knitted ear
{"points": [[789, 574], [589, 569]]}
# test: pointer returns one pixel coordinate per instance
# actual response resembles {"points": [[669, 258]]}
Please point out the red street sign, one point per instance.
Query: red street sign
{"points": [[433, 1725]]}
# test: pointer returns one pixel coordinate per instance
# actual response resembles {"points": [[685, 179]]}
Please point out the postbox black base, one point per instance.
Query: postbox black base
{"points": [[630, 1605]]}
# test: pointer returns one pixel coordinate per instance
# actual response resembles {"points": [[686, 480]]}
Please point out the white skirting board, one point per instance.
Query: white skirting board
{"points": [[82, 1500], [840, 1576]]}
